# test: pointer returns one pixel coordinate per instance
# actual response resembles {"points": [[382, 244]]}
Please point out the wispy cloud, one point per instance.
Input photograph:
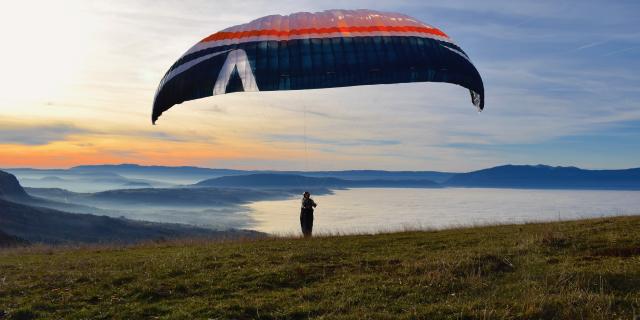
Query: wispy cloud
{"points": [[37, 134], [592, 44], [333, 142], [614, 52]]}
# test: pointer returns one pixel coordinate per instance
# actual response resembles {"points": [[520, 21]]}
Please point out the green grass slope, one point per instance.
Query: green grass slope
{"points": [[586, 269]]}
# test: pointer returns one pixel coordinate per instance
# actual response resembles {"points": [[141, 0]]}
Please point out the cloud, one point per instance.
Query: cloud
{"points": [[614, 52], [174, 137], [592, 44], [334, 142], [37, 134]]}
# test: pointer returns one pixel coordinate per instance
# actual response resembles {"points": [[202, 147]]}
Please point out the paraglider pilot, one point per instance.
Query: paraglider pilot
{"points": [[306, 214]]}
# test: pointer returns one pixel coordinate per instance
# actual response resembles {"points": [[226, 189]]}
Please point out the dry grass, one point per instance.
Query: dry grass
{"points": [[587, 269]]}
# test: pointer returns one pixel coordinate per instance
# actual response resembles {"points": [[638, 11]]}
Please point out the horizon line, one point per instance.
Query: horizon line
{"points": [[335, 170]]}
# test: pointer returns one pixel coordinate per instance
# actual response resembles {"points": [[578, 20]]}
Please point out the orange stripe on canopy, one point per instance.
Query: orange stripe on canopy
{"points": [[297, 32]]}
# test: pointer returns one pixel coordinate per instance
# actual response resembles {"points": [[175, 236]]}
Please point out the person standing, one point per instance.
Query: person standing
{"points": [[306, 214]]}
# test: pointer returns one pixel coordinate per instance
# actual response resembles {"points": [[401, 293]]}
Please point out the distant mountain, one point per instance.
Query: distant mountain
{"points": [[38, 224], [94, 178], [52, 179], [434, 176], [10, 188], [165, 197], [185, 197], [137, 170], [125, 169], [541, 176], [82, 180], [267, 180], [138, 184]]}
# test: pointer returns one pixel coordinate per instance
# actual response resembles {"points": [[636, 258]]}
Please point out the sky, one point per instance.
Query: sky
{"points": [[561, 80]]}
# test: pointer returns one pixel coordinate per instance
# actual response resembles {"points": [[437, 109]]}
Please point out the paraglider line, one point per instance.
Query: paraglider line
{"points": [[306, 156]]}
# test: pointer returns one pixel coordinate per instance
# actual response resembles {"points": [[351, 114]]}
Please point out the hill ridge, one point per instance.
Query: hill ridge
{"points": [[543, 176], [282, 180]]}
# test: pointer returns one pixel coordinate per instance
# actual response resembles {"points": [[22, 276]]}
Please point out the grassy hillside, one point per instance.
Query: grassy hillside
{"points": [[571, 270]]}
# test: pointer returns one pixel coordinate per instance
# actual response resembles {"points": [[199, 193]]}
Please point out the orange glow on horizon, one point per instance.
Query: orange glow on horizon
{"points": [[86, 150]]}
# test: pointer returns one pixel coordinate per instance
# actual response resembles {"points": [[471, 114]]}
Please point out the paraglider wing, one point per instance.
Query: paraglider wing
{"points": [[334, 48]]}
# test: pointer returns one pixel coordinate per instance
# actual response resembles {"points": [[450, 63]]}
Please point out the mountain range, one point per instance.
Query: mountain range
{"points": [[129, 176], [96, 178], [55, 214], [507, 176], [21, 223], [161, 197], [155, 171], [548, 177], [273, 180]]}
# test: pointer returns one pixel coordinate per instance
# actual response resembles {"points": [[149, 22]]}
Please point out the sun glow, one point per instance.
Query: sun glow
{"points": [[44, 45]]}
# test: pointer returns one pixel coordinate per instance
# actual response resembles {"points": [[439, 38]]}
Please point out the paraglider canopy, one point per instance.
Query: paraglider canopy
{"points": [[333, 48]]}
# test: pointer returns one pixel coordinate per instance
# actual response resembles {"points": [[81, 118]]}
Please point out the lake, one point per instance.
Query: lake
{"points": [[381, 209]]}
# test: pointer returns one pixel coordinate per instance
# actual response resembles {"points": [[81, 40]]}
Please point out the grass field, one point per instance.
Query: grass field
{"points": [[587, 269]]}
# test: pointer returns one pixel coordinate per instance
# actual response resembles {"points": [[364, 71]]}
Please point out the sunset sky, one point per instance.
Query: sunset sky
{"points": [[562, 81]]}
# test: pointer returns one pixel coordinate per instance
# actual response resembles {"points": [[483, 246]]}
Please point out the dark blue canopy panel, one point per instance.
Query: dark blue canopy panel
{"points": [[335, 48]]}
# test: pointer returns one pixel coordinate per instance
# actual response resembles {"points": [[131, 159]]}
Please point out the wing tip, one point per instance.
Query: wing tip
{"points": [[155, 114], [477, 100]]}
